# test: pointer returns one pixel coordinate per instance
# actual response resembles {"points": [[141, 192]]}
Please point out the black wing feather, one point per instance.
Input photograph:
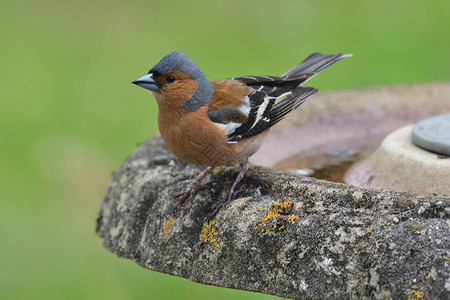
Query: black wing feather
{"points": [[269, 105], [274, 97], [286, 81]]}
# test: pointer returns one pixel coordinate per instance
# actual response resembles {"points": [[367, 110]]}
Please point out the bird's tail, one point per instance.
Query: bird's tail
{"points": [[315, 63]]}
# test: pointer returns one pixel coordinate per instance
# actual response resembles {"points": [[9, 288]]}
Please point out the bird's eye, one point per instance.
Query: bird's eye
{"points": [[170, 79]]}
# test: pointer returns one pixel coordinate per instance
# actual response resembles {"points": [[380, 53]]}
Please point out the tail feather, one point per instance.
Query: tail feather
{"points": [[315, 63]]}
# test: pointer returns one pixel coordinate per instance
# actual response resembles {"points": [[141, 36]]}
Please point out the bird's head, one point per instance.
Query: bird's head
{"points": [[177, 80]]}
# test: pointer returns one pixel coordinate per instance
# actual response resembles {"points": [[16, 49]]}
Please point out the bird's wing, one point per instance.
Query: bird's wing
{"points": [[230, 104], [247, 106], [266, 101]]}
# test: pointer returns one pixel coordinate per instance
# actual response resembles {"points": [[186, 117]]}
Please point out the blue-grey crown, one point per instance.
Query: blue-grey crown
{"points": [[177, 61]]}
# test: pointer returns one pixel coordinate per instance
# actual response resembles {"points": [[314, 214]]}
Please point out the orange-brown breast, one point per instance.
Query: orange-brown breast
{"points": [[193, 137]]}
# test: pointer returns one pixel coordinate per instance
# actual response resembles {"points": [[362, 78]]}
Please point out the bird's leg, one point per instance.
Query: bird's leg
{"points": [[233, 192], [194, 186]]}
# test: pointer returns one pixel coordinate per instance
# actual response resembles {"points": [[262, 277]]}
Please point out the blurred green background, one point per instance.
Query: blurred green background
{"points": [[70, 116]]}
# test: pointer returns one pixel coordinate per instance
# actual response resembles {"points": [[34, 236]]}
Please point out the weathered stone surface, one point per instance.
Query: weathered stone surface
{"points": [[400, 165], [334, 242]]}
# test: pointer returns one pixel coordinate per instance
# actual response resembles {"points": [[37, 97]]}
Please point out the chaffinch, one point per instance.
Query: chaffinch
{"points": [[223, 122]]}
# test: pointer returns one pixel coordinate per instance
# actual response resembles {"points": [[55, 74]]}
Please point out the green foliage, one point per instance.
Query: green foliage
{"points": [[70, 115]]}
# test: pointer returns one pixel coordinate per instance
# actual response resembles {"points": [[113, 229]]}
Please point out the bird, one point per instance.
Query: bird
{"points": [[223, 122]]}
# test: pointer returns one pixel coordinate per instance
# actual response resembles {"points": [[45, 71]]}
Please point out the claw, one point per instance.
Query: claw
{"points": [[195, 185], [239, 190], [182, 197], [216, 182], [232, 193], [230, 196]]}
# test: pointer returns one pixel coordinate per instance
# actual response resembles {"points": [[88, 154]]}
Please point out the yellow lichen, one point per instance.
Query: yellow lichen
{"points": [[273, 213], [242, 205], [418, 294], [282, 207], [292, 219], [429, 276], [446, 258], [167, 227], [269, 228], [370, 229], [209, 234], [416, 226]]}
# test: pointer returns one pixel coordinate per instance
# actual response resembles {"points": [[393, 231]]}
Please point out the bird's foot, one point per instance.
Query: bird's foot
{"points": [[232, 193], [224, 202], [190, 193], [193, 188]]}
